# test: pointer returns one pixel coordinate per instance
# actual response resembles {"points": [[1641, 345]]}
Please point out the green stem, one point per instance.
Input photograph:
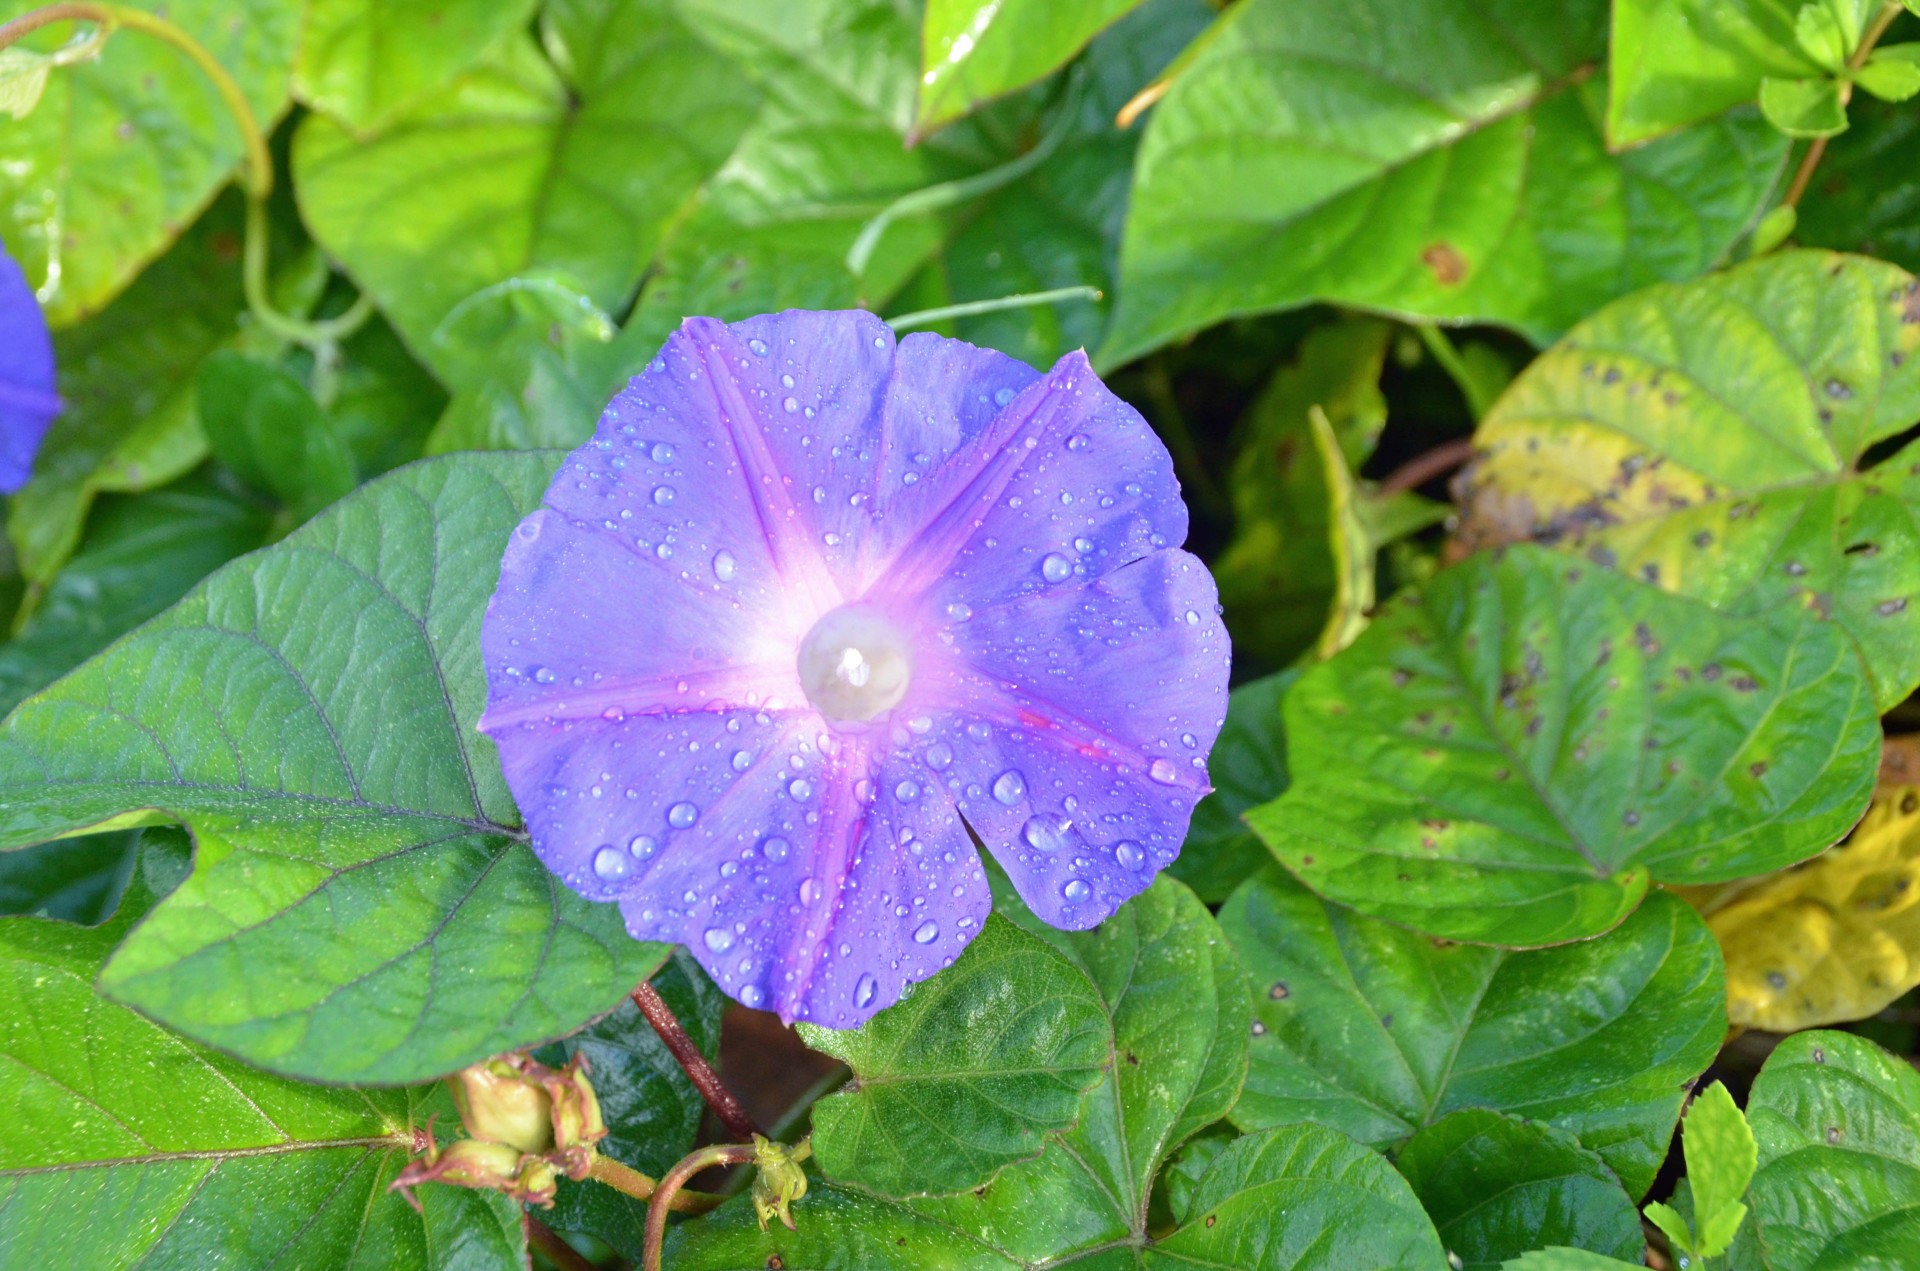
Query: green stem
{"points": [[927, 317], [949, 193], [257, 171], [625, 1179]]}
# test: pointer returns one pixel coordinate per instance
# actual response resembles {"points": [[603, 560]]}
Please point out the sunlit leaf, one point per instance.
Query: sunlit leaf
{"points": [[975, 50], [1708, 437], [1804, 107], [363, 61]]}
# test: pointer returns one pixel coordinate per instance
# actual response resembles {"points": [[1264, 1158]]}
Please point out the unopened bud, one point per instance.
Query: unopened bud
{"points": [[500, 1102], [493, 1167], [577, 1124], [780, 1181]]}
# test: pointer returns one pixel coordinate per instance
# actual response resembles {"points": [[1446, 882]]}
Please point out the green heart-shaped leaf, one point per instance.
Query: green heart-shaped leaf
{"points": [[1599, 1038], [308, 712], [363, 61]]}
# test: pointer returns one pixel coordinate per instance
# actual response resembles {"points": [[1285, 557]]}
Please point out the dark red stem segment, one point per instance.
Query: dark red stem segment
{"points": [[734, 1117], [556, 1250], [1421, 469], [676, 1178]]}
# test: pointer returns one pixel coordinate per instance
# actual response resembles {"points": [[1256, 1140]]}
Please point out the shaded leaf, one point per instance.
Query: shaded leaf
{"points": [[967, 1073], [263, 424], [1866, 193], [1837, 938], [1496, 1186], [1511, 755], [1600, 1038], [198, 1160], [1837, 1120], [1707, 437], [975, 50], [126, 150], [1248, 767], [1564, 1259], [1420, 130], [75, 879], [363, 61], [308, 712]]}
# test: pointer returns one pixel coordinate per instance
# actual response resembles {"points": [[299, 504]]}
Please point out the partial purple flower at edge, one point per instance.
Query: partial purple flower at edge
{"points": [[27, 400], [809, 598]]}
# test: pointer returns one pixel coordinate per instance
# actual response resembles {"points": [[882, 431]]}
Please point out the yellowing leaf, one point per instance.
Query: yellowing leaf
{"points": [[1835, 939]]}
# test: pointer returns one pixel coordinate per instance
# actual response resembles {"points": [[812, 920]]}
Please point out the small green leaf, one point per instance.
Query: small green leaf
{"points": [[1512, 755], [354, 835], [1496, 1186], [967, 1073], [1378, 1032], [1804, 107], [263, 424], [1565, 1260], [1720, 1161], [1243, 201], [23, 79], [364, 61], [1825, 34], [1673, 1224], [1248, 767], [1677, 62], [127, 149], [1892, 73], [1708, 437], [1774, 229], [1837, 1121], [200, 1161]]}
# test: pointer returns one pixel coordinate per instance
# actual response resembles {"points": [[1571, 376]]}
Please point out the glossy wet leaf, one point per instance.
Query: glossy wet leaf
{"points": [[1248, 767], [125, 151], [308, 711], [1867, 190], [1497, 1186], [975, 50], [1418, 130], [1378, 1032], [1676, 62], [125, 1145], [652, 1111], [522, 171], [362, 62], [141, 555], [1838, 1124], [967, 1073], [1511, 755], [1836, 939], [1300, 1198], [263, 424], [1708, 437]]}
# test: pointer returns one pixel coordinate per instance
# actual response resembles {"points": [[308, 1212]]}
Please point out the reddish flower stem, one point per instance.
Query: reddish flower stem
{"points": [[557, 1251], [676, 1178], [1421, 469], [734, 1117]]}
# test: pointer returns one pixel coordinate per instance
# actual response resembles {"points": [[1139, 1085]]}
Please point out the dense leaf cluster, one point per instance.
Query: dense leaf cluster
{"points": [[1539, 789]]}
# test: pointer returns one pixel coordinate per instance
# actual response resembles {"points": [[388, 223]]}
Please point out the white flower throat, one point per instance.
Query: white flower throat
{"points": [[855, 664]]}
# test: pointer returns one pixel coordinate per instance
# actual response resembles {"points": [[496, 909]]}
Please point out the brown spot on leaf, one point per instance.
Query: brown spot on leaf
{"points": [[1448, 266]]}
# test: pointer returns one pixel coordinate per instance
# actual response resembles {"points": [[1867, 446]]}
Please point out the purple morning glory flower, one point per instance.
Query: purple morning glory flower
{"points": [[808, 605], [27, 400]]}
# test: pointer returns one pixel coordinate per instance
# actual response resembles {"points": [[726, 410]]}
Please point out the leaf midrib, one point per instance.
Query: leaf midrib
{"points": [[212, 1154]]}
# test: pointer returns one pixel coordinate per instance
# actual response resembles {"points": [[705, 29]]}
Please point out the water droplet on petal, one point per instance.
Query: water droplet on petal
{"points": [[776, 849], [723, 566], [718, 939], [790, 405], [1055, 568], [1076, 890], [742, 760], [662, 495], [863, 991], [1046, 831], [1079, 441], [611, 865], [661, 452], [906, 791], [752, 995], [641, 846], [800, 789], [939, 755], [1163, 771], [759, 347], [682, 815], [1009, 787], [541, 675], [926, 932], [1128, 853], [959, 611], [1002, 397]]}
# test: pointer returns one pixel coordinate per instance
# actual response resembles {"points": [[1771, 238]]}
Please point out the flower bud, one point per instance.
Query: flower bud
{"points": [[483, 1166], [577, 1124], [500, 1101], [780, 1181]]}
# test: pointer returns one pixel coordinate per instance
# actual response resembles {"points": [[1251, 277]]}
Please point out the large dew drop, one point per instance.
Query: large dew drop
{"points": [[927, 932], [718, 939], [1009, 787], [611, 865], [863, 991], [1055, 568], [682, 815]]}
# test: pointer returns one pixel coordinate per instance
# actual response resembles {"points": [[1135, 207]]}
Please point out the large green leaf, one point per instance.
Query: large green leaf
{"points": [[1513, 754], [126, 1146], [1378, 1032], [1301, 1198], [1439, 158], [975, 50], [308, 712], [521, 171], [1676, 62], [1866, 193], [1708, 437], [141, 556], [124, 152], [362, 62], [1838, 1124], [966, 1074], [1496, 1186], [1248, 767]]}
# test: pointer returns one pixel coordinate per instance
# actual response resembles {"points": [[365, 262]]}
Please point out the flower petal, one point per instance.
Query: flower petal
{"points": [[27, 399], [1076, 729]]}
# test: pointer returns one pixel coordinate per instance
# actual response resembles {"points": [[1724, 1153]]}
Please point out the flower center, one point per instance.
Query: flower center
{"points": [[855, 664]]}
